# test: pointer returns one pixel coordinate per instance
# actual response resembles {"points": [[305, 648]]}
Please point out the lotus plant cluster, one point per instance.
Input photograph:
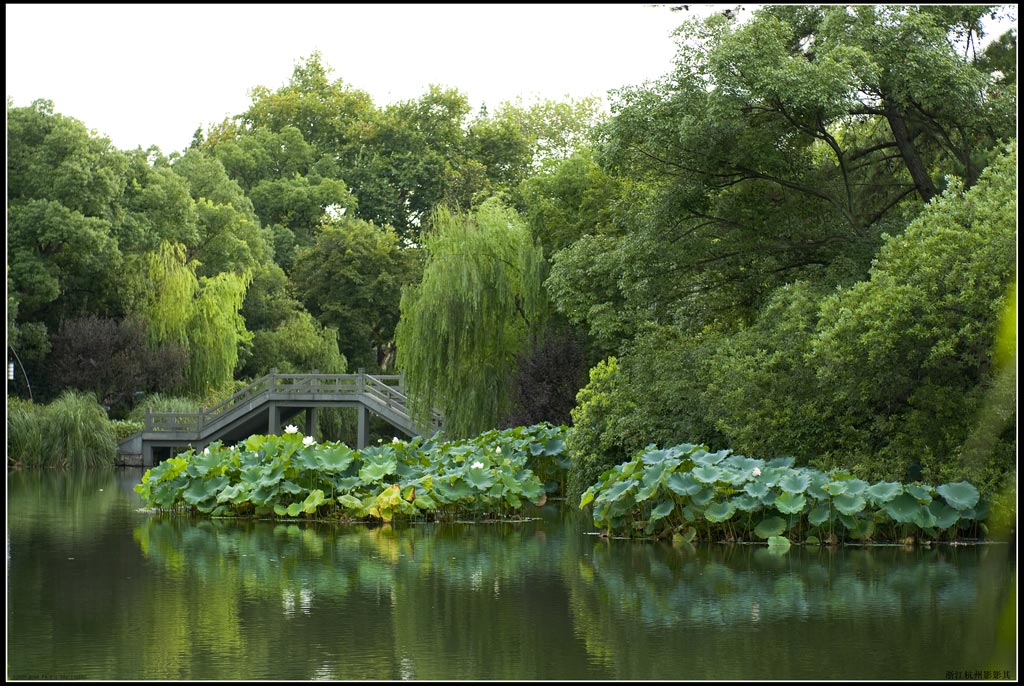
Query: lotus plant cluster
{"points": [[292, 475], [691, 493]]}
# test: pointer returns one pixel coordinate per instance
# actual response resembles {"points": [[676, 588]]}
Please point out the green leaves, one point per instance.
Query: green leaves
{"points": [[960, 496], [280, 475], [707, 488]]}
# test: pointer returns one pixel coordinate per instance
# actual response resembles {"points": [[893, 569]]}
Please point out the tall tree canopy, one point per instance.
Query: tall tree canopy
{"points": [[462, 327]]}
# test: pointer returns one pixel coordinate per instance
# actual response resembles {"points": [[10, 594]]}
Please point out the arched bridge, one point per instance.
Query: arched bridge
{"points": [[265, 404]]}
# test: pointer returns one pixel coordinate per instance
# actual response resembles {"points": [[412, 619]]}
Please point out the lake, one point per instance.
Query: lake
{"points": [[100, 590]]}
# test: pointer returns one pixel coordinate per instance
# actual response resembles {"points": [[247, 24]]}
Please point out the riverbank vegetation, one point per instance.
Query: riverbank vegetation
{"points": [[799, 241]]}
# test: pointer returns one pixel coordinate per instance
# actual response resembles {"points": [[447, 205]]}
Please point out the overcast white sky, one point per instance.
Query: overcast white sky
{"points": [[151, 74]]}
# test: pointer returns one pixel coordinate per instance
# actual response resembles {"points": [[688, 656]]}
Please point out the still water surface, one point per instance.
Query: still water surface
{"points": [[98, 590]]}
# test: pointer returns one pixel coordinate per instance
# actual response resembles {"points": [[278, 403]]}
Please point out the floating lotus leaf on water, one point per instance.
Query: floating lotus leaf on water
{"points": [[719, 512], [772, 526], [920, 491], [795, 482], [683, 484], [790, 503], [848, 504], [961, 495], [945, 516], [883, 492], [903, 508], [746, 503], [819, 515], [779, 542]]}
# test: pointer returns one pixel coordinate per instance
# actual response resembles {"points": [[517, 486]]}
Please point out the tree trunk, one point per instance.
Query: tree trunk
{"points": [[922, 180]]}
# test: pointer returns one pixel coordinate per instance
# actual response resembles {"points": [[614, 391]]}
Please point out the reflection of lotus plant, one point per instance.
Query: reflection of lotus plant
{"points": [[665, 491]]}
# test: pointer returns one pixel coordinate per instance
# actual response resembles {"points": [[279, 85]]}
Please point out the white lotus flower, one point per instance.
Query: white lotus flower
{"points": [[206, 451], [395, 440], [498, 450], [757, 471], [291, 429], [477, 465], [308, 440]]}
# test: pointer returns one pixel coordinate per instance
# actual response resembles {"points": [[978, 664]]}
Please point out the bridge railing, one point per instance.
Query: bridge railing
{"points": [[385, 389]]}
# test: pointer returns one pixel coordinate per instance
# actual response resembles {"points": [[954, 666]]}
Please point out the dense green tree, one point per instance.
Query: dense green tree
{"points": [[215, 332], [463, 325], [351, 281]]}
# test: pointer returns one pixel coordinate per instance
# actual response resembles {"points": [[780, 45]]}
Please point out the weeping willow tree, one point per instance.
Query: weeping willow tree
{"points": [[463, 325], [167, 290], [215, 331], [201, 316]]}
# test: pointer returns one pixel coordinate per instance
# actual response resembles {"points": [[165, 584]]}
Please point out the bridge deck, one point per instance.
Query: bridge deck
{"points": [[263, 405]]}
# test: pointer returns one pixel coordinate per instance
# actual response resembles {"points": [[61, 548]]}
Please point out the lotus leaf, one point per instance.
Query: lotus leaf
{"points": [[903, 508], [945, 516], [816, 488], [306, 458], [979, 512], [813, 540], [236, 493], [742, 463], [772, 526], [790, 503], [778, 541], [758, 488], [662, 510], [683, 483], [202, 489], [719, 512], [835, 488], [587, 498], [335, 458], [923, 517], [786, 462], [707, 459], [920, 491], [294, 509], [314, 500], [819, 515], [290, 487], [351, 502], [961, 495], [862, 528], [856, 486], [683, 450], [616, 491], [707, 474], [375, 471], [653, 457], [848, 504], [746, 503], [650, 482], [795, 482], [884, 491], [480, 479], [703, 497], [425, 502], [280, 510]]}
